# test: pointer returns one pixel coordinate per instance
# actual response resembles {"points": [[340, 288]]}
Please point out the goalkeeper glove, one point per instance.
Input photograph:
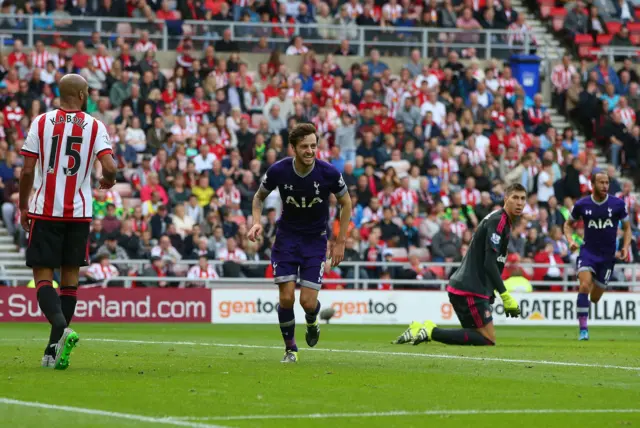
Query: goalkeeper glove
{"points": [[511, 308]]}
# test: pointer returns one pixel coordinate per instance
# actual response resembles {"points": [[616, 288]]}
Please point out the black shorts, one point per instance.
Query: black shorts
{"points": [[473, 312], [53, 244]]}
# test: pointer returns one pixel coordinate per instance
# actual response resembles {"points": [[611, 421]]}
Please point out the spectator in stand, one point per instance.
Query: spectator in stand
{"points": [[166, 251], [203, 270], [101, 269], [445, 245], [114, 252]]}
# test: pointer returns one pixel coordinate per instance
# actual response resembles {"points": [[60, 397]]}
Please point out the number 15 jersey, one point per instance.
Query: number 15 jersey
{"points": [[66, 144]]}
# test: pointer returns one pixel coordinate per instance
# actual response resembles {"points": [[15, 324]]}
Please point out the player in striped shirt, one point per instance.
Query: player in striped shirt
{"points": [[59, 151]]}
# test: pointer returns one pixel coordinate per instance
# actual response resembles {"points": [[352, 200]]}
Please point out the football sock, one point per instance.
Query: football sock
{"points": [[462, 336], [583, 310], [49, 303], [68, 302], [288, 328], [311, 317]]}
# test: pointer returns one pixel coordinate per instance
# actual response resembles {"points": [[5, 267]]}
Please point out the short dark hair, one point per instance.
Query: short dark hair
{"points": [[594, 176], [300, 131], [515, 187]]}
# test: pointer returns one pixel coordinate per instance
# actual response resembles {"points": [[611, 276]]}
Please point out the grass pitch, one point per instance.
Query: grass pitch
{"points": [[227, 375]]}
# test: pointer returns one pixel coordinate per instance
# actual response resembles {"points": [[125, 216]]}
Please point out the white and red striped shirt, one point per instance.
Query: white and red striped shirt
{"points": [[405, 200], [446, 168], [40, 59], [628, 116], [386, 199], [66, 144], [470, 197], [229, 198], [197, 272], [12, 116], [509, 86], [98, 272], [236, 255], [561, 77], [143, 47], [476, 156], [629, 200], [458, 228], [103, 62]]}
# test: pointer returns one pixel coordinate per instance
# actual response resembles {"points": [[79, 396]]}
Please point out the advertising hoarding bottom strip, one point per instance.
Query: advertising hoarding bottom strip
{"points": [[104, 413], [357, 351], [409, 413]]}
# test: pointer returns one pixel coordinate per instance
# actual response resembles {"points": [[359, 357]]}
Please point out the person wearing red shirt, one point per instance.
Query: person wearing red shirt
{"points": [[13, 114], [498, 141], [325, 77], [153, 185], [387, 124], [80, 58], [17, 57], [318, 96], [285, 24]]}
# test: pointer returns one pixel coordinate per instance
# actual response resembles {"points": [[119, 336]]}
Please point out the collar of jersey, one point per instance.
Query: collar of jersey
{"points": [[293, 163], [69, 111], [606, 198]]}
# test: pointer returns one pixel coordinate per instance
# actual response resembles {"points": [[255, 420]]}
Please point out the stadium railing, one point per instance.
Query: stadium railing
{"points": [[355, 282], [613, 52], [167, 34]]}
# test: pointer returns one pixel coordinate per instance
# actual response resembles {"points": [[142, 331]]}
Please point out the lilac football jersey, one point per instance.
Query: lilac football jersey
{"points": [[305, 199], [601, 222]]}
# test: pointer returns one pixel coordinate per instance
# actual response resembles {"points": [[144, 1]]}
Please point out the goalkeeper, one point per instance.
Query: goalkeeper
{"points": [[472, 287]]}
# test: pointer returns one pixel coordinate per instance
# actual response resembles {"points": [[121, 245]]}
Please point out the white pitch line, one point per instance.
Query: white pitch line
{"points": [[359, 351], [117, 415], [408, 413]]}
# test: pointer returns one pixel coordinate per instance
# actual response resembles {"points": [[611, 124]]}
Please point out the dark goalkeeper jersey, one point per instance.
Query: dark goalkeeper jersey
{"points": [[481, 268]]}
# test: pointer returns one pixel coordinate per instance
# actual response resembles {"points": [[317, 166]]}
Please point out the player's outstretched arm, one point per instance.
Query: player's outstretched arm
{"points": [[256, 212], [109, 170], [337, 254], [26, 185]]}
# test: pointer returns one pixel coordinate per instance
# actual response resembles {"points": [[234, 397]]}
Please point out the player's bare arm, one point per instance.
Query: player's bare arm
{"points": [[337, 254], [109, 170], [256, 212], [568, 234], [26, 185]]}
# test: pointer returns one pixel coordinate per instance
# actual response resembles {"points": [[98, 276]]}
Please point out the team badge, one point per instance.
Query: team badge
{"points": [[495, 238]]}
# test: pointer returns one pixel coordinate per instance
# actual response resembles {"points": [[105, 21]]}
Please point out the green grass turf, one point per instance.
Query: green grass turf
{"points": [[185, 380]]}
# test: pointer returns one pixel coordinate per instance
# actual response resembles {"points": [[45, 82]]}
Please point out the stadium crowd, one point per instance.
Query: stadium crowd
{"points": [[426, 150]]}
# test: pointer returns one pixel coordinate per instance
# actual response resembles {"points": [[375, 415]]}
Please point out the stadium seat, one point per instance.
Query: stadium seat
{"points": [[613, 27], [634, 27], [603, 39], [635, 38], [583, 39]]}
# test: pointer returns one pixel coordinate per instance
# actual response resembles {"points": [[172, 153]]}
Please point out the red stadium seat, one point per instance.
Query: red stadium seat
{"points": [[603, 39], [613, 27], [558, 12], [634, 27], [637, 13], [635, 38], [583, 39]]}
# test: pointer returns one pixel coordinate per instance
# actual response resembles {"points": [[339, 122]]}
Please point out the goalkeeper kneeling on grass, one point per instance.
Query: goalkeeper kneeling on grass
{"points": [[472, 287]]}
